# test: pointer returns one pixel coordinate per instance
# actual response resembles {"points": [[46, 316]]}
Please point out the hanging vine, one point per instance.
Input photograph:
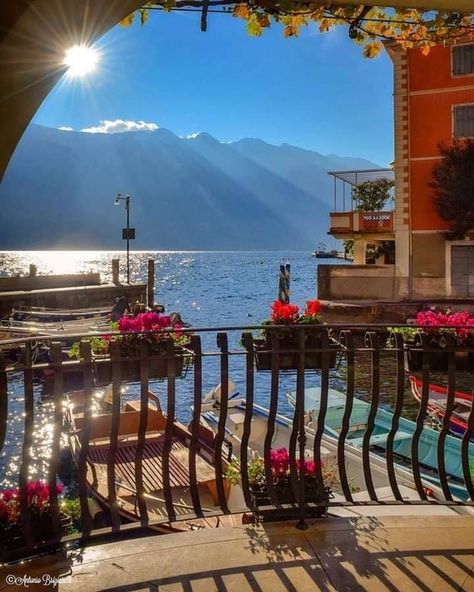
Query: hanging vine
{"points": [[367, 26]]}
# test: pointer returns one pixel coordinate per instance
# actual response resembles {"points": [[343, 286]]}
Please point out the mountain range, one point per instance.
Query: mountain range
{"points": [[186, 193]]}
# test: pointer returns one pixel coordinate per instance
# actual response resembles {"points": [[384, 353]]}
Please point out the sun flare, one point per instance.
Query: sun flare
{"points": [[81, 60]]}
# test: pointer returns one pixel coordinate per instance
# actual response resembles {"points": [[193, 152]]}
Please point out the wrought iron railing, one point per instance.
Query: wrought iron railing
{"points": [[135, 471]]}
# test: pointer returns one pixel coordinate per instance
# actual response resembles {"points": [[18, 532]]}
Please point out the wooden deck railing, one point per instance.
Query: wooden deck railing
{"points": [[288, 360]]}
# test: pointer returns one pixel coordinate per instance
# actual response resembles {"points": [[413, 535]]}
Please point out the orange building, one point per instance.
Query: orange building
{"points": [[433, 104]]}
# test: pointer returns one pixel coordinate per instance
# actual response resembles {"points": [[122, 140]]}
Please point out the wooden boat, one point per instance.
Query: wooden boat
{"points": [[437, 401], [428, 443], [152, 464], [56, 315], [329, 443], [54, 328]]}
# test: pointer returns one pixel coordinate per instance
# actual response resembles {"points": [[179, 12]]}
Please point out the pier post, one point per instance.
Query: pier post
{"points": [[115, 271], [151, 283], [33, 270]]}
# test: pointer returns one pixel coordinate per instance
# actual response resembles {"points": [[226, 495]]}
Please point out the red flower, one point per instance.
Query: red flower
{"points": [[37, 498], [284, 313], [312, 307], [462, 322]]}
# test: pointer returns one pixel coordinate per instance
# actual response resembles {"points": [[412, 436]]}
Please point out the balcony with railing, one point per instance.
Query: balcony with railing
{"points": [[347, 221], [306, 422]]}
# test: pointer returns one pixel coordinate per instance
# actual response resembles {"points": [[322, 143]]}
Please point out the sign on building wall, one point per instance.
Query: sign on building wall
{"points": [[375, 221]]}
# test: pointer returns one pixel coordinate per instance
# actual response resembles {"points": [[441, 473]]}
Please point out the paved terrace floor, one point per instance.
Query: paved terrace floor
{"points": [[430, 554]]}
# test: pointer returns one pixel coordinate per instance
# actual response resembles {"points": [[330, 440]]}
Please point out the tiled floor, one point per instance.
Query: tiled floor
{"points": [[407, 553]]}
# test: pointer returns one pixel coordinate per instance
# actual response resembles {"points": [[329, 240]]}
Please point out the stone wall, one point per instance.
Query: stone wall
{"points": [[357, 282]]}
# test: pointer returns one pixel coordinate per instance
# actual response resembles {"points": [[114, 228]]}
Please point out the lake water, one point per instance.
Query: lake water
{"points": [[208, 288]]}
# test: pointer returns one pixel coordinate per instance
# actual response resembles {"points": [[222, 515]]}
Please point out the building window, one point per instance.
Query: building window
{"points": [[463, 60], [464, 121]]}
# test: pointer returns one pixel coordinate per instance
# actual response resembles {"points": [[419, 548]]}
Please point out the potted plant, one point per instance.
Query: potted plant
{"points": [[436, 327], [157, 331], [317, 488], [283, 325], [38, 499]]}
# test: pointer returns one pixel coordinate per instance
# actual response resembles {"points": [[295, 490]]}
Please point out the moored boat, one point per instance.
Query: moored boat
{"points": [[156, 448], [54, 315], [402, 443], [437, 405]]}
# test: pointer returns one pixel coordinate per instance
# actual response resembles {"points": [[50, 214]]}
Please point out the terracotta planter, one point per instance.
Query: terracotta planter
{"points": [[313, 360]]}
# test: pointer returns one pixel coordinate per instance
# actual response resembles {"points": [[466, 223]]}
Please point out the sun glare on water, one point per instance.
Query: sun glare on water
{"points": [[81, 60]]}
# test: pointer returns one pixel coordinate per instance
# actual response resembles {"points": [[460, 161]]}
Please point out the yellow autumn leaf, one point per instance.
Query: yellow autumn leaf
{"points": [[241, 11], [372, 49], [128, 20], [253, 26], [290, 31], [425, 50], [325, 25], [297, 20], [263, 20]]}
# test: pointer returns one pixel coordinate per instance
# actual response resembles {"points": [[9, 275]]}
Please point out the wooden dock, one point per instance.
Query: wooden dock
{"points": [[71, 291]]}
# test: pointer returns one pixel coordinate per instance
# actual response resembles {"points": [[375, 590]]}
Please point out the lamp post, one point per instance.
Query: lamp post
{"points": [[127, 233]]}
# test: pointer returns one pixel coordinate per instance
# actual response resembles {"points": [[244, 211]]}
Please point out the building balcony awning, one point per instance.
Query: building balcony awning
{"points": [[356, 178]]}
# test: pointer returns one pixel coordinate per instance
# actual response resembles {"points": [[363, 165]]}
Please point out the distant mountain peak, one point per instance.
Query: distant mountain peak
{"points": [[188, 193], [201, 136]]}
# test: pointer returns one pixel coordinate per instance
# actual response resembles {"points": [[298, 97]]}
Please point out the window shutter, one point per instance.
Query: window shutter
{"points": [[464, 121], [463, 60]]}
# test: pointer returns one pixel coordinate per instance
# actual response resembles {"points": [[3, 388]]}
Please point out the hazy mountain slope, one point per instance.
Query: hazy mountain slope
{"points": [[194, 193], [304, 168]]}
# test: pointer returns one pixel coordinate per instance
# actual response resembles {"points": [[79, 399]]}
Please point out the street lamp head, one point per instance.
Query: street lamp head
{"points": [[117, 199]]}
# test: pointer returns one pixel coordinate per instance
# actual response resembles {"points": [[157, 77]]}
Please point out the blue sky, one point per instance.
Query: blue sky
{"points": [[314, 91]]}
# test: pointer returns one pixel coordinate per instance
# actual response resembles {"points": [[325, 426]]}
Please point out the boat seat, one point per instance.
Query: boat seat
{"points": [[381, 439], [236, 417]]}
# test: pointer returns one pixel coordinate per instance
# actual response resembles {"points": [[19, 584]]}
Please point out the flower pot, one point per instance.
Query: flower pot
{"points": [[285, 495], [438, 359], [73, 375], [289, 360], [130, 369]]}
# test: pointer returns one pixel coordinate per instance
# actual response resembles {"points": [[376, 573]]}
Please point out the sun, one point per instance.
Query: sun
{"points": [[80, 60]]}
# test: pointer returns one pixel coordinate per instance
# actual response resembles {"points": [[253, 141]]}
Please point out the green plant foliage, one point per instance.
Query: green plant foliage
{"points": [[72, 508], [99, 346], [453, 184], [372, 196], [256, 470]]}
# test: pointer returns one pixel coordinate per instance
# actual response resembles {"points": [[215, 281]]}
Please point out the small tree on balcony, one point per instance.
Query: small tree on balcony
{"points": [[454, 187], [372, 196]]}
